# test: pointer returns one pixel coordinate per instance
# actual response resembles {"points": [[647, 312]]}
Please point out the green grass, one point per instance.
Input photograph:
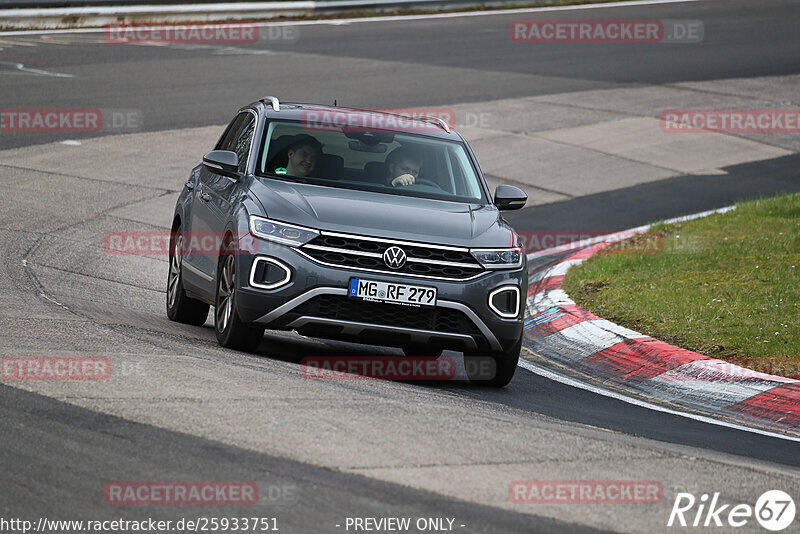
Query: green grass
{"points": [[727, 286]]}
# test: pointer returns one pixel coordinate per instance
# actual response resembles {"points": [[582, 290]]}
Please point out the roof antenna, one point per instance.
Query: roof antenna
{"points": [[334, 102]]}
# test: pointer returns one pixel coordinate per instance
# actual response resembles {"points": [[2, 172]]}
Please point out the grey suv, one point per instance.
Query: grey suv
{"points": [[350, 224]]}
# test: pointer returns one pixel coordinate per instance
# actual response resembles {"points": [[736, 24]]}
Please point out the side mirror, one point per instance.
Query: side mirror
{"points": [[508, 197], [224, 162]]}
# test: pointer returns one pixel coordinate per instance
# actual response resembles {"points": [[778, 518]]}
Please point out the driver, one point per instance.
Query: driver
{"points": [[301, 155], [403, 166]]}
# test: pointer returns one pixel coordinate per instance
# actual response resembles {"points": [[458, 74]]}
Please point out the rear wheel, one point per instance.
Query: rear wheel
{"points": [[494, 369], [180, 307], [231, 331]]}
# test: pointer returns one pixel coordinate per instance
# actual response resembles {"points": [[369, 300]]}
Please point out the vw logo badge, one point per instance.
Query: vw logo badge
{"points": [[394, 257]]}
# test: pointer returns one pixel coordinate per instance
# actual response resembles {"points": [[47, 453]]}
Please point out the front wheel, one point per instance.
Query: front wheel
{"points": [[495, 369], [231, 332], [180, 307]]}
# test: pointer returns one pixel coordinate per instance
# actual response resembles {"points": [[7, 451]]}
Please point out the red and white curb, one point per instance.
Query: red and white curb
{"points": [[561, 331]]}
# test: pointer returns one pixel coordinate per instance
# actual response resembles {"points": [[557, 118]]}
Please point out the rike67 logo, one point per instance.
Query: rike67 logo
{"points": [[774, 510]]}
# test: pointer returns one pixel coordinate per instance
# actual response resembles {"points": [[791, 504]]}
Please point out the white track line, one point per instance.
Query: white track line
{"points": [[388, 18], [556, 377], [22, 68]]}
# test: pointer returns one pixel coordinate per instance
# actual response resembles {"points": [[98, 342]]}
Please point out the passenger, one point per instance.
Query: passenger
{"points": [[301, 156], [403, 166]]}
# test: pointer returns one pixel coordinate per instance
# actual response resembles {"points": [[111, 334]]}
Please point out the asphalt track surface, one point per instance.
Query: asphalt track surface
{"points": [[432, 61], [56, 456]]}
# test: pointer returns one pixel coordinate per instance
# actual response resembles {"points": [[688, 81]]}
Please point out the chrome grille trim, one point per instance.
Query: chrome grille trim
{"points": [[376, 255], [344, 251], [393, 241], [393, 273], [446, 263], [427, 261]]}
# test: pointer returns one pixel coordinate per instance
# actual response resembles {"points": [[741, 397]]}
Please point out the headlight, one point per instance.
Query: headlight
{"points": [[498, 258], [279, 232]]}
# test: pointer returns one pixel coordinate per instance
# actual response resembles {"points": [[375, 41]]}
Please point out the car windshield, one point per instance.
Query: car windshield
{"points": [[370, 159]]}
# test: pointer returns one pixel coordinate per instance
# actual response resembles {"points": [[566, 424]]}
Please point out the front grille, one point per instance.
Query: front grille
{"points": [[444, 320], [360, 253]]}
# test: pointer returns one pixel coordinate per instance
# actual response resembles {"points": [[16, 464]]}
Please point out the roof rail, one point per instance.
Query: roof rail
{"points": [[276, 105], [437, 120]]}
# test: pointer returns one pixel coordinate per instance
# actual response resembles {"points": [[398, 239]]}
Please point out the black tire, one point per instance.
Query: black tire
{"points": [[180, 307], [231, 332], [494, 370], [422, 351]]}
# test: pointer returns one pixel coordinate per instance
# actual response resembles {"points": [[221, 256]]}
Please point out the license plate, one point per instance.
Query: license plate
{"points": [[390, 292]]}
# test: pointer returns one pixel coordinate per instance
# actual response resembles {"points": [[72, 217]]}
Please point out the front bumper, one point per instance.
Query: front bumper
{"points": [[314, 302]]}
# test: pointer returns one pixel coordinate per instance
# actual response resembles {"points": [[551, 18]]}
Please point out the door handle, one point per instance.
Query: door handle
{"points": [[205, 197]]}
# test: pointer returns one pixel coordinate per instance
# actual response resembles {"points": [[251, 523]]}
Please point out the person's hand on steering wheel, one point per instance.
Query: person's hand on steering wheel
{"points": [[403, 179]]}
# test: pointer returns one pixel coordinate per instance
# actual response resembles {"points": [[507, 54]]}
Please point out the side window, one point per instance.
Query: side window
{"points": [[243, 142], [226, 142]]}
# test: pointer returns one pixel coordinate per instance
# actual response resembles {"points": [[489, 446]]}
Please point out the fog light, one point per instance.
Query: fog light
{"points": [[269, 273], [504, 301]]}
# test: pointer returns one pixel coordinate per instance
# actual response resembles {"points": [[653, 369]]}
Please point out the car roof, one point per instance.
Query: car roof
{"points": [[364, 118]]}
